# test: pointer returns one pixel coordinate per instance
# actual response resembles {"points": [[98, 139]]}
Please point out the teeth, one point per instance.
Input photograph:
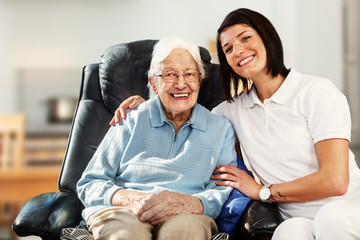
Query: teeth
{"points": [[181, 95], [246, 60]]}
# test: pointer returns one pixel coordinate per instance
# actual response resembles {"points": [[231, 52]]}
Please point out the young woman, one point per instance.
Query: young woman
{"points": [[294, 129]]}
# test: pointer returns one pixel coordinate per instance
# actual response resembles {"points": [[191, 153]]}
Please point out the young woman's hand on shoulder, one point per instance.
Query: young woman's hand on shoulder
{"points": [[131, 103]]}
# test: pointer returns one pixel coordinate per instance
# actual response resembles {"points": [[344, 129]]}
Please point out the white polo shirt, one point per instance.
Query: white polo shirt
{"points": [[278, 136]]}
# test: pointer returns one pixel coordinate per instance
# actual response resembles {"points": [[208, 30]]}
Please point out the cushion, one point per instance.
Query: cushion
{"points": [[233, 208]]}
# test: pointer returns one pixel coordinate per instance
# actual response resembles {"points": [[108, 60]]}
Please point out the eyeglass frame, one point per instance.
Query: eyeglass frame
{"points": [[178, 76]]}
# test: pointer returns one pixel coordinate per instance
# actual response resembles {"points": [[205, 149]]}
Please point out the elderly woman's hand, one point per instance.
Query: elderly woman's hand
{"points": [[131, 199], [131, 103], [164, 205]]}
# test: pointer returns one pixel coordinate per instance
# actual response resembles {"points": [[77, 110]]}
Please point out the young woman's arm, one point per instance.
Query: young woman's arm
{"points": [[332, 179]]}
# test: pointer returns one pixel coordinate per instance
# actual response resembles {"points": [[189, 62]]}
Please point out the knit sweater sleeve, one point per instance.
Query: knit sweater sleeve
{"points": [[97, 184], [213, 197]]}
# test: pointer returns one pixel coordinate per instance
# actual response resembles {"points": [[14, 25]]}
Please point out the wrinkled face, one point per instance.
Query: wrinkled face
{"points": [[244, 50], [180, 95]]}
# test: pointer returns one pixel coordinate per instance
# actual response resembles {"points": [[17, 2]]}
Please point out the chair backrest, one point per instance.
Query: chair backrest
{"points": [[122, 72], [12, 139]]}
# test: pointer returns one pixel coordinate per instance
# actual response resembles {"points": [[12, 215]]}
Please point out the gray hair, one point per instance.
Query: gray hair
{"points": [[161, 51]]}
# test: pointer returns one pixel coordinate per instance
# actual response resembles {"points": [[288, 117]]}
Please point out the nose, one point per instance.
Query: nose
{"points": [[238, 48], [181, 83]]}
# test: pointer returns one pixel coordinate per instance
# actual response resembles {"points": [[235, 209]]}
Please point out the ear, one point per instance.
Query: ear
{"points": [[152, 84]]}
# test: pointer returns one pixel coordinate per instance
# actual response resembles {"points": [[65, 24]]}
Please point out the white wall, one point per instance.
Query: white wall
{"points": [[312, 36], [69, 34]]}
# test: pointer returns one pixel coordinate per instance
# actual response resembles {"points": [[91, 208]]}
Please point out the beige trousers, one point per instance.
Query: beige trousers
{"points": [[115, 223]]}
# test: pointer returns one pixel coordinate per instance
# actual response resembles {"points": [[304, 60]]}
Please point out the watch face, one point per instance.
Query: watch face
{"points": [[264, 193]]}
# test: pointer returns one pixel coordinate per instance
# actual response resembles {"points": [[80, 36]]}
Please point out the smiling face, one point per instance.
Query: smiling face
{"points": [[179, 97], [244, 51]]}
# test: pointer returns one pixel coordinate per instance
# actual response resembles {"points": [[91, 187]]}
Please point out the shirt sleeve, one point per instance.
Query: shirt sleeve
{"points": [[219, 110], [327, 112], [215, 196], [97, 184]]}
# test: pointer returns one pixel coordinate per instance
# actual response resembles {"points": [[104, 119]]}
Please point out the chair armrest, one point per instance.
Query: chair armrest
{"points": [[46, 214], [259, 221]]}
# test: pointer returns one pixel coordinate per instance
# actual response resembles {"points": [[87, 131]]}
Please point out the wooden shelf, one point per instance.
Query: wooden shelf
{"points": [[45, 151]]}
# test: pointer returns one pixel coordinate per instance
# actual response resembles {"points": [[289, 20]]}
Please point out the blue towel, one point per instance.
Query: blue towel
{"points": [[233, 208]]}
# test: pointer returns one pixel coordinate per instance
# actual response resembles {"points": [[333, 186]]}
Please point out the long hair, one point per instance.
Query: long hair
{"points": [[229, 81]]}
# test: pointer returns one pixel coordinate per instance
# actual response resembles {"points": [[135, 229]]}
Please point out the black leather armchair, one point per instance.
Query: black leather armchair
{"points": [[121, 73]]}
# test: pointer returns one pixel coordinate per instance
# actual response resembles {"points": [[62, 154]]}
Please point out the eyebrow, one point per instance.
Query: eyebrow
{"points": [[174, 69], [236, 37]]}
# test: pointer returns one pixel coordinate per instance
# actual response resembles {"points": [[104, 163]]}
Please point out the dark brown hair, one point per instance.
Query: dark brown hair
{"points": [[228, 79]]}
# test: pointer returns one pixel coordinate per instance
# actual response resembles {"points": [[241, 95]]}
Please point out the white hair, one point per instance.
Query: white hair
{"points": [[161, 51]]}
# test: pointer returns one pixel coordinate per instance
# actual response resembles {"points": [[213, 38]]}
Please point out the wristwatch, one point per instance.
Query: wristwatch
{"points": [[265, 193]]}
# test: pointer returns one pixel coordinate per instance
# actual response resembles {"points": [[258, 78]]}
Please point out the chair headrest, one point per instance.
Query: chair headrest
{"points": [[123, 72]]}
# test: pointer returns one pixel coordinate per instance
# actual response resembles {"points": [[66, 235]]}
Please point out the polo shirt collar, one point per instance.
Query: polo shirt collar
{"points": [[198, 118], [287, 88], [281, 96], [251, 97]]}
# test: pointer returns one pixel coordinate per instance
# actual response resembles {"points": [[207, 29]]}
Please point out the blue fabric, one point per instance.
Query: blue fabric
{"points": [[143, 153], [233, 208]]}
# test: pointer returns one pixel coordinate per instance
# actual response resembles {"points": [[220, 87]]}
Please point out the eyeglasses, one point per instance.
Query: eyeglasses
{"points": [[172, 77]]}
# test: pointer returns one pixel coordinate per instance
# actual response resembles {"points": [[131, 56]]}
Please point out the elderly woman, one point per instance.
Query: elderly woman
{"points": [[150, 177]]}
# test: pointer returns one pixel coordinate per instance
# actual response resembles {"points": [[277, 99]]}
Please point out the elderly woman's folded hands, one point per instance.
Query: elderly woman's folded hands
{"points": [[157, 208]]}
